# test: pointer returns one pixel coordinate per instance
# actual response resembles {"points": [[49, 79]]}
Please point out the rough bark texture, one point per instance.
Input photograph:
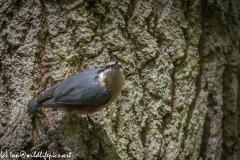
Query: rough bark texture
{"points": [[181, 59]]}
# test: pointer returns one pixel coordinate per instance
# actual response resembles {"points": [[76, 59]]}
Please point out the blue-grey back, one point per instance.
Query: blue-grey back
{"points": [[82, 89]]}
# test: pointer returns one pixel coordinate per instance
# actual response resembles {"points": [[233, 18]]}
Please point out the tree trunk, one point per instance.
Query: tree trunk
{"points": [[181, 61]]}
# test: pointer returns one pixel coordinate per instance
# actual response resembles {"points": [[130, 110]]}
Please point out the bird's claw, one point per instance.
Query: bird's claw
{"points": [[90, 123]]}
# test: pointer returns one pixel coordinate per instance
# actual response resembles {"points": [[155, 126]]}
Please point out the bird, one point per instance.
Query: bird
{"points": [[85, 92]]}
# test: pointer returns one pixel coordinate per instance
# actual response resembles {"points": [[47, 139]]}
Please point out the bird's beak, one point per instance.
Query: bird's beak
{"points": [[116, 65]]}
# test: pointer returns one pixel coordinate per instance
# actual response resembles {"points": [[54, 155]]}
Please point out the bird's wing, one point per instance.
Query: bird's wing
{"points": [[48, 93], [83, 89]]}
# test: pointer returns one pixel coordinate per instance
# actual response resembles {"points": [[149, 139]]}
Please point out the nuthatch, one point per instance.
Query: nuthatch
{"points": [[85, 92]]}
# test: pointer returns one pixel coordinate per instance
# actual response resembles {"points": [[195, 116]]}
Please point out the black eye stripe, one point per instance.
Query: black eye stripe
{"points": [[108, 66], [112, 65]]}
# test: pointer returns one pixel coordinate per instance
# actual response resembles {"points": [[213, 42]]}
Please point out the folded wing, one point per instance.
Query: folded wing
{"points": [[82, 89]]}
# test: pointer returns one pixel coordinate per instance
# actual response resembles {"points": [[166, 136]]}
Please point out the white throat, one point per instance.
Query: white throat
{"points": [[113, 81]]}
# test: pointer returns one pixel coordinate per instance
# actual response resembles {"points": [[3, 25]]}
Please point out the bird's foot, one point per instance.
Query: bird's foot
{"points": [[71, 120], [74, 117], [90, 123]]}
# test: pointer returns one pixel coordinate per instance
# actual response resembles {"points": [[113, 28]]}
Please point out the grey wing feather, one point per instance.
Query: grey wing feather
{"points": [[48, 93], [83, 89]]}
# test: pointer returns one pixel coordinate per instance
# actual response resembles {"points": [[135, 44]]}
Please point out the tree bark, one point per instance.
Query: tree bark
{"points": [[181, 61]]}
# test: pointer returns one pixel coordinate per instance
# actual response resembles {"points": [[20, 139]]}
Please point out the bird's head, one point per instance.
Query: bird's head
{"points": [[113, 68], [112, 75]]}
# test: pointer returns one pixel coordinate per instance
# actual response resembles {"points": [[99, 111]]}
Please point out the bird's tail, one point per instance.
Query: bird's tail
{"points": [[32, 105]]}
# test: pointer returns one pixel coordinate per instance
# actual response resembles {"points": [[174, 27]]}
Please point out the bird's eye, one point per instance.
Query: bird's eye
{"points": [[109, 66]]}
